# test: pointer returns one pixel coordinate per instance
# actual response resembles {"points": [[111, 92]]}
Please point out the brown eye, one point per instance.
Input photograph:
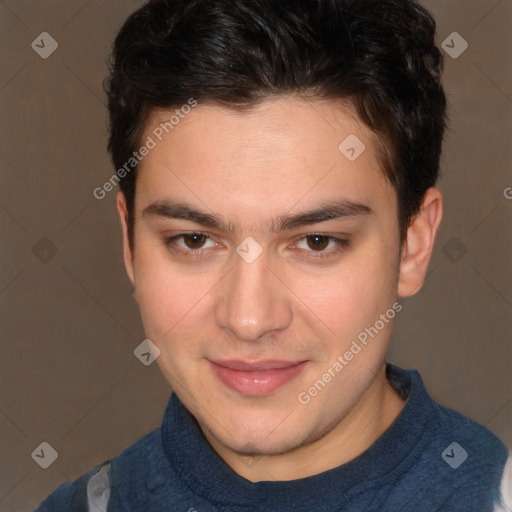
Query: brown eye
{"points": [[318, 242], [194, 240]]}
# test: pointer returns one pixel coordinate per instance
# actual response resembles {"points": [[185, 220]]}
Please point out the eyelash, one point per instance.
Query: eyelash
{"points": [[169, 243]]}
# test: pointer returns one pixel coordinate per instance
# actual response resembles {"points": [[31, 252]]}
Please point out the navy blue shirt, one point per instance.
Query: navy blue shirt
{"points": [[430, 459]]}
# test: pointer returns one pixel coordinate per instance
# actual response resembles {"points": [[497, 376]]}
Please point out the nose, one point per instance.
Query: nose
{"points": [[254, 302]]}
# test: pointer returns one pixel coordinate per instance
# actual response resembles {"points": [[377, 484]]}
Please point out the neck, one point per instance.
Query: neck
{"points": [[350, 437]]}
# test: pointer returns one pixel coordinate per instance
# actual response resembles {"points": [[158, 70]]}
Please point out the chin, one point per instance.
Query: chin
{"points": [[260, 444], [260, 433]]}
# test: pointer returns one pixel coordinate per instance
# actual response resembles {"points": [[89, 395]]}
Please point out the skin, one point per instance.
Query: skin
{"points": [[251, 167]]}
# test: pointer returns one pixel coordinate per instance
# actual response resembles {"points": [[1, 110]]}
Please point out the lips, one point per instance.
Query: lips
{"points": [[257, 378]]}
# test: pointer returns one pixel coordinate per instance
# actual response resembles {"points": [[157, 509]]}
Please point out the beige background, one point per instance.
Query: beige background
{"points": [[69, 324]]}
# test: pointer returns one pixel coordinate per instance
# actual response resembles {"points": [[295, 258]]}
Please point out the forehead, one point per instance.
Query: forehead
{"points": [[268, 159], [276, 129]]}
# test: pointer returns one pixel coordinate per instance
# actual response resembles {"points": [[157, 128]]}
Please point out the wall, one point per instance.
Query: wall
{"points": [[68, 373]]}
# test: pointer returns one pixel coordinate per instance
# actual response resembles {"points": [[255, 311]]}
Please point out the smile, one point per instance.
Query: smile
{"points": [[259, 378]]}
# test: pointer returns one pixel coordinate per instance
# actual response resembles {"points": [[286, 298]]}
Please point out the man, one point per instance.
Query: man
{"points": [[277, 162]]}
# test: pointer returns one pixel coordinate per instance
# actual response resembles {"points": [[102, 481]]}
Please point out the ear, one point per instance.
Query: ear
{"points": [[419, 243], [127, 252]]}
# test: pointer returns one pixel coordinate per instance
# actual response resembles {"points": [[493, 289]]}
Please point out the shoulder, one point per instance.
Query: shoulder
{"points": [[91, 492], [468, 439], [456, 463], [139, 458], [140, 473], [471, 461], [73, 496], [505, 502], [446, 430]]}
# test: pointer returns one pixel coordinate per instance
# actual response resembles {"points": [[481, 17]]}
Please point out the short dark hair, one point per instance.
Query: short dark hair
{"points": [[378, 54]]}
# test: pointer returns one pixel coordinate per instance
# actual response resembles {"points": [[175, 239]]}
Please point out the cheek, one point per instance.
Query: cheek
{"points": [[176, 303], [170, 300], [354, 295]]}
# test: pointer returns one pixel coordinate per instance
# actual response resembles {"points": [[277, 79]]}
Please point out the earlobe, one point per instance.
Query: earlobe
{"points": [[419, 243], [127, 252]]}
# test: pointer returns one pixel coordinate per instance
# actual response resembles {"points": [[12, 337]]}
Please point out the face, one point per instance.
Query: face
{"points": [[262, 253]]}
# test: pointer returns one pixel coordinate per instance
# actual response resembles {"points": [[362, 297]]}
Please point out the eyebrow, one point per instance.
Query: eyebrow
{"points": [[327, 210]]}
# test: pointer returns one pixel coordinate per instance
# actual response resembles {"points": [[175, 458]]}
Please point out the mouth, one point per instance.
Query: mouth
{"points": [[257, 378]]}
